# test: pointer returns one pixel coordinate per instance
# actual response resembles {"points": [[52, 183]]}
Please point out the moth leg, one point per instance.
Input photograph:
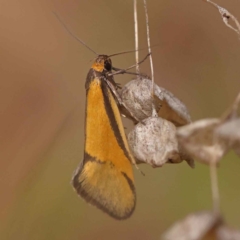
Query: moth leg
{"points": [[118, 86], [124, 70]]}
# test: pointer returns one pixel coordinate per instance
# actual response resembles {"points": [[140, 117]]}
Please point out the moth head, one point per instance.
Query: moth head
{"points": [[102, 63]]}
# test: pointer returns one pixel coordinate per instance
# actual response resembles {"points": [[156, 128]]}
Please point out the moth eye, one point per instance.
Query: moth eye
{"points": [[107, 65]]}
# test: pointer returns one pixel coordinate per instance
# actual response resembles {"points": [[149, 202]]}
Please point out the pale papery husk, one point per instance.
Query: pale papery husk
{"points": [[154, 142], [225, 232], [230, 132], [137, 96], [208, 140], [200, 141], [195, 226]]}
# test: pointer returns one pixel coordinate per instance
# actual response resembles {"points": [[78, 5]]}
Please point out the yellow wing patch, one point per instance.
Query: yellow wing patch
{"points": [[106, 177]]}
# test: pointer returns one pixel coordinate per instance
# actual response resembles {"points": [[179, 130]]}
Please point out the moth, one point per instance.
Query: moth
{"points": [[105, 176]]}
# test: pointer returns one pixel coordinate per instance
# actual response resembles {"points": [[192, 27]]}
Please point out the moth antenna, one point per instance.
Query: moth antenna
{"points": [[130, 51], [73, 35], [119, 53]]}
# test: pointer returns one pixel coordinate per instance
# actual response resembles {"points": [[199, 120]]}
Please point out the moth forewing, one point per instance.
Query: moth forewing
{"points": [[105, 177]]}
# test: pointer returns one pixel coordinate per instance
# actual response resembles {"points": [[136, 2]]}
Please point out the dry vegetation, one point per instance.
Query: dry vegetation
{"points": [[165, 134]]}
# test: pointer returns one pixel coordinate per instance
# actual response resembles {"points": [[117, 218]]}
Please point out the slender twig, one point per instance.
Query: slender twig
{"points": [[154, 113], [226, 15], [149, 44], [136, 35], [214, 186]]}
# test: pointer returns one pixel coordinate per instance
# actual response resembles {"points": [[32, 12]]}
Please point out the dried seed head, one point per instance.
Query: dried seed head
{"points": [[209, 139], [136, 95], [224, 232], [230, 132], [199, 140], [154, 142], [199, 226], [195, 226]]}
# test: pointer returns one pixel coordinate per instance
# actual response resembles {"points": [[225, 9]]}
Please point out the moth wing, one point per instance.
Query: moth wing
{"points": [[105, 177]]}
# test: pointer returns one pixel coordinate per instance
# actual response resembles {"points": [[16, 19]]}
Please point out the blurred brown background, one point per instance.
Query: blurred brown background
{"points": [[43, 71]]}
